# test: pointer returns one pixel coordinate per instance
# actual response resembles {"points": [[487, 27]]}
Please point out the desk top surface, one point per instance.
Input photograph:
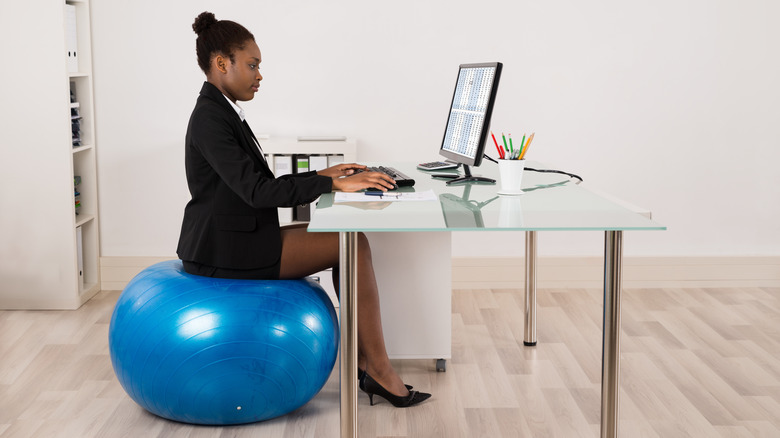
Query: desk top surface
{"points": [[549, 202]]}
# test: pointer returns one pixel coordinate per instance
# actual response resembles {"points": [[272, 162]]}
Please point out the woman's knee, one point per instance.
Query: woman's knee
{"points": [[364, 246], [363, 242]]}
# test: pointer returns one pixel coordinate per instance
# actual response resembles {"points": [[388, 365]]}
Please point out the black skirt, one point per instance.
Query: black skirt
{"points": [[267, 273]]}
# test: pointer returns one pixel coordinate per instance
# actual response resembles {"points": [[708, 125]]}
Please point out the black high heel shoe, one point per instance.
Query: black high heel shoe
{"points": [[373, 388], [362, 384]]}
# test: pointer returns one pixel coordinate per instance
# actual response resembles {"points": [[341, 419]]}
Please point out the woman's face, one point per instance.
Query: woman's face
{"points": [[241, 79]]}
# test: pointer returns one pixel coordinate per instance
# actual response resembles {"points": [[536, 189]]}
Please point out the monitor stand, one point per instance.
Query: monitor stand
{"points": [[468, 177]]}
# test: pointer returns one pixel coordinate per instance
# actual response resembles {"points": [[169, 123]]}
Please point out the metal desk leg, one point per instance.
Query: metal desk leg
{"points": [[529, 338], [348, 323], [610, 360]]}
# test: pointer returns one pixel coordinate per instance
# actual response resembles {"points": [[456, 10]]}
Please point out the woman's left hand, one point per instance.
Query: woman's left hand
{"points": [[339, 170]]}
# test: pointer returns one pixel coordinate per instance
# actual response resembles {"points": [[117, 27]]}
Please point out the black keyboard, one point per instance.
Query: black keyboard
{"points": [[401, 180]]}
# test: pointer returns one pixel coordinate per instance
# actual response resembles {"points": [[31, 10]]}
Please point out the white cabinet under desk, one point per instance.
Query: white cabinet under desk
{"points": [[414, 275]]}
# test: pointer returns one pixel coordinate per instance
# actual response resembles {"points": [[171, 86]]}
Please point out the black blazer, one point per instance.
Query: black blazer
{"points": [[232, 220]]}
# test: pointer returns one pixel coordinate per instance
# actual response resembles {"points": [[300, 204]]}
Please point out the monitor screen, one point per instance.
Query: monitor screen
{"points": [[468, 123]]}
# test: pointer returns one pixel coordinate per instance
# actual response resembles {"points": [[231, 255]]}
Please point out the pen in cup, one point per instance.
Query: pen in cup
{"points": [[522, 146], [500, 151], [527, 145]]}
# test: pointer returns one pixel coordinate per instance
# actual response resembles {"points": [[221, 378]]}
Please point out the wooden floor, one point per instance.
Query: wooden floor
{"points": [[694, 362]]}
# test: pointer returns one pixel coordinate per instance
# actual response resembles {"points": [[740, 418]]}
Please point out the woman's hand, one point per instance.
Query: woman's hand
{"points": [[364, 180], [340, 170], [351, 177]]}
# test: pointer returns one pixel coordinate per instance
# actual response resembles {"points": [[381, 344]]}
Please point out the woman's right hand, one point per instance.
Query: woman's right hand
{"points": [[364, 180]]}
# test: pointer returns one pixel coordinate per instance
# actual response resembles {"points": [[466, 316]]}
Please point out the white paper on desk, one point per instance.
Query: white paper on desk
{"points": [[427, 195]]}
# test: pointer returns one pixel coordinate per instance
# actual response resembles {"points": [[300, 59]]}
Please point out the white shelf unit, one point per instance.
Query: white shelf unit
{"points": [[84, 160], [50, 257], [291, 146]]}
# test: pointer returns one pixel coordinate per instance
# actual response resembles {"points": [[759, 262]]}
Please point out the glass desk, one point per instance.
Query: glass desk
{"points": [[551, 202]]}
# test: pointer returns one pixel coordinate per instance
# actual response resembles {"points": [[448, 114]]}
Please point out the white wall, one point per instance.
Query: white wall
{"points": [[670, 105]]}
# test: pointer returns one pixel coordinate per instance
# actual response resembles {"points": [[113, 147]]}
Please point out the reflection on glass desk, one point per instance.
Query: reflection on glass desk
{"points": [[462, 211]]}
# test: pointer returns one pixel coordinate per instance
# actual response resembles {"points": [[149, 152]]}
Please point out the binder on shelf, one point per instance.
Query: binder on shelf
{"points": [[71, 38], [80, 257], [301, 163], [335, 159], [302, 212], [318, 162], [283, 166]]}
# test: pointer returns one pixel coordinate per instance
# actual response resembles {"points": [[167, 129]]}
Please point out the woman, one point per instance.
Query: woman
{"points": [[231, 226]]}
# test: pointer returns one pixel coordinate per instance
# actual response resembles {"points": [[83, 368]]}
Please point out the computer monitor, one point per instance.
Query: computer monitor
{"points": [[468, 124]]}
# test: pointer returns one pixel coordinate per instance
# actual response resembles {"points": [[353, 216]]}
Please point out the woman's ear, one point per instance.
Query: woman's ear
{"points": [[219, 63]]}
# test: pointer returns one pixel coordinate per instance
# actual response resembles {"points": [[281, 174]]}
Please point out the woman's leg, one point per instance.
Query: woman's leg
{"points": [[361, 357], [305, 253]]}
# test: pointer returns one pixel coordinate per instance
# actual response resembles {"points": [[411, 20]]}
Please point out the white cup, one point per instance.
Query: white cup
{"points": [[510, 173]]}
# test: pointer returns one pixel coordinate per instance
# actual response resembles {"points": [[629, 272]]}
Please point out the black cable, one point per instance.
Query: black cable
{"points": [[489, 158], [553, 171], [541, 170]]}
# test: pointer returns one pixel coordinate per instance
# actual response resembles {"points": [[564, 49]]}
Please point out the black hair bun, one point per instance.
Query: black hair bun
{"points": [[203, 22]]}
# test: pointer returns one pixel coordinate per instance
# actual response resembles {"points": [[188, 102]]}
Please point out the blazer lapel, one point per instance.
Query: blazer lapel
{"points": [[249, 140], [254, 145]]}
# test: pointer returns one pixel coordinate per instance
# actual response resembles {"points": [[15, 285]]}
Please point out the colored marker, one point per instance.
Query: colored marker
{"points": [[504, 137], [527, 145], [500, 152], [511, 147], [520, 149]]}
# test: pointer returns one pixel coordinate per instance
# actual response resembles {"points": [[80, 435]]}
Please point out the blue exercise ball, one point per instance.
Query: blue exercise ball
{"points": [[216, 351]]}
